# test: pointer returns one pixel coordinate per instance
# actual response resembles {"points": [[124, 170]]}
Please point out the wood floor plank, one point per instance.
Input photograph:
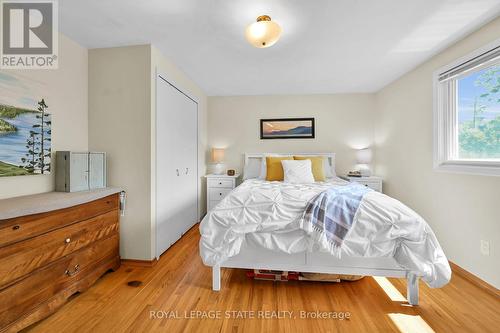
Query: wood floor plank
{"points": [[180, 283]]}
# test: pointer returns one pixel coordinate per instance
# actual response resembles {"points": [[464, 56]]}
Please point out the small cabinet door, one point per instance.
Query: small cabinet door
{"points": [[97, 169], [79, 172]]}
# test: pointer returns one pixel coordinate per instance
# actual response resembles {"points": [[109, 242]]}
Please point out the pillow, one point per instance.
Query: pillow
{"points": [[252, 169], [298, 172], [317, 163], [327, 167], [263, 166], [274, 169]]}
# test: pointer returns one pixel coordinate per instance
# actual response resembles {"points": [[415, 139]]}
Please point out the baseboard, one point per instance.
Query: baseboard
{"points": [[139, 263], [474, 280]]}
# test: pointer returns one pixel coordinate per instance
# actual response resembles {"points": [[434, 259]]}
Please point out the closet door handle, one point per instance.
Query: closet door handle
{"points": [[187, 170], [177, 171]]}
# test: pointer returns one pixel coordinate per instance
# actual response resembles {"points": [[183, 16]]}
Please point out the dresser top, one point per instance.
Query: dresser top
{"points": [[365, 178], [46, 202], [222, 176]]}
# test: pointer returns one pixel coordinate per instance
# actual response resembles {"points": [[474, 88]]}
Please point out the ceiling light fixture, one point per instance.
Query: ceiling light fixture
{"points": [[263, 33]]}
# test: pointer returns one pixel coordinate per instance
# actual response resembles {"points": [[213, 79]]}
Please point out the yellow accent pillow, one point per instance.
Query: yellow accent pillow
{"points": [[316, 165], [274, 167]]}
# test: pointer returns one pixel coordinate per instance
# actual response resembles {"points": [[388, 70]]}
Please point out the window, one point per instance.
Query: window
{"points": [[467, 114]]}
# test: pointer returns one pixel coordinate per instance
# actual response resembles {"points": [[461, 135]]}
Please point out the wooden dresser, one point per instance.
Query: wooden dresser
{"points": [[46, 257]]}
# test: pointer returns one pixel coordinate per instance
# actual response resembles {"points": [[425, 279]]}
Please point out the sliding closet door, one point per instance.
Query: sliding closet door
{"points": [[190, 162], [186, 141], [176, 164]]}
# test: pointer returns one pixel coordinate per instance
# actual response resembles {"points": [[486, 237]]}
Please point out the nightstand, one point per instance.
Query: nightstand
{"points": [[218, 186], [372, 182]]}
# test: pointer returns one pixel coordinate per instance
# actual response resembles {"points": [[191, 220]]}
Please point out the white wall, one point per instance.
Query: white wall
{"points": [[344, 122], [119, 124], [462, 209], [65, 92], [122, 99]]}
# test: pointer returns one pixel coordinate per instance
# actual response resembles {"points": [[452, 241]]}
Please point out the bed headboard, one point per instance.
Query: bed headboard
{"points": [[330, 156]]}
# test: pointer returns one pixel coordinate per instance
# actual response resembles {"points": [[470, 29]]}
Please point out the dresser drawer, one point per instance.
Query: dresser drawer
{"points": [[19, 259], [47, 282], [224, 183], [217, 194], [377, 186], [212, 204], [20, 228]]}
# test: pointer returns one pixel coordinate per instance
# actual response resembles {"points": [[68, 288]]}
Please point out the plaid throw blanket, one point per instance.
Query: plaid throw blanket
{"points": [[330, 215]]}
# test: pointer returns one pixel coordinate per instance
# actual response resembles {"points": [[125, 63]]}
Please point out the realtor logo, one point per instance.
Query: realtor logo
{"points": [[29, 34]]}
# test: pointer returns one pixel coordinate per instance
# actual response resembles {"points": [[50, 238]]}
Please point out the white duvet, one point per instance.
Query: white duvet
{"points": [[270, 214]]}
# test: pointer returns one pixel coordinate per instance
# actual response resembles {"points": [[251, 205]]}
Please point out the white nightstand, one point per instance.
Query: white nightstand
{"points": [[218, 186], [372, 182]]}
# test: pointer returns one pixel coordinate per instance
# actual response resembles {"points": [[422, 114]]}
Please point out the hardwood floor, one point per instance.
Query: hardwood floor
{"points": [[180, 282]]}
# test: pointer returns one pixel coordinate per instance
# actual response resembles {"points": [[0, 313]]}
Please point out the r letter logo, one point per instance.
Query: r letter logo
{"points": [[29, 34]]}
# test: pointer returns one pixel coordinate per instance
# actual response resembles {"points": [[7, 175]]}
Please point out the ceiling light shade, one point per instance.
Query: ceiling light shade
{"points": [[263, 33]]}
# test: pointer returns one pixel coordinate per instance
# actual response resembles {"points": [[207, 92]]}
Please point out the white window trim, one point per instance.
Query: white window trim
{"points": [[444, 125]]}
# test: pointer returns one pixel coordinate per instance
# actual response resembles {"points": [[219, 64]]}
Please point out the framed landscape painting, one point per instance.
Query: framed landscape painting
{"points": [[25, 127], [287, 128]]}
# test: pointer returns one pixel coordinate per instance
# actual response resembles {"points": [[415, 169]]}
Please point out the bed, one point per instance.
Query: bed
{"points": [[259, 225]]}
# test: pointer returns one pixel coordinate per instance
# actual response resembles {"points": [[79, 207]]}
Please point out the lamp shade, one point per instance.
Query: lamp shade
{"points": [[364, 156], [217, 155], [263, 33]]}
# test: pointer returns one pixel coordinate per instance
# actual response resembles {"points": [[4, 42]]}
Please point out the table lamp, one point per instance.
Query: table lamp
{"points": [[364, 158], [218, 160]]}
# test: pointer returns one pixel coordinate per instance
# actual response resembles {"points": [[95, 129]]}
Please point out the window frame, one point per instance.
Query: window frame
{"points": [[445, 127]]}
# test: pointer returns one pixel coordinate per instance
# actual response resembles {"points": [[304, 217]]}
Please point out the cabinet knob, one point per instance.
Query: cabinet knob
{"points": [[75, 270], [67, 240], [16, 227]]}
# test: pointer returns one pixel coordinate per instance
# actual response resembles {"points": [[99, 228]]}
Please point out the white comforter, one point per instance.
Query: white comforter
{"points": [[270, 214]]}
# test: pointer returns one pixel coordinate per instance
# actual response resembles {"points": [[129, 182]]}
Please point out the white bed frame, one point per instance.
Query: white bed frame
{"points": [[253, 257]]}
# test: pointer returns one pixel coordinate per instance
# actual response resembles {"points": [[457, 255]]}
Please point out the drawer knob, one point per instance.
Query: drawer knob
{"points": [[220, 183], [220, 193], [16, 227], [75, 270], [67, 240]]}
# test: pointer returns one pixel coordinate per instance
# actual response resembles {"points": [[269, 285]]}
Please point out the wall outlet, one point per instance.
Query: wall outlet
{"points": [[485, 248]]}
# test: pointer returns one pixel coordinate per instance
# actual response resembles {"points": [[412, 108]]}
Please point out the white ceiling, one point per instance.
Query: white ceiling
{"points": [[327, 46]]}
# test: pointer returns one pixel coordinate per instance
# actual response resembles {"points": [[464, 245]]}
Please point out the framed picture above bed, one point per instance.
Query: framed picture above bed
{"points": [[287, 128]]}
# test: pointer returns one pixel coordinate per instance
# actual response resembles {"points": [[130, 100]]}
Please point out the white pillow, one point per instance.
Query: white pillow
{"points": [[252, 169], [263, 168], [327, 168], [297, 172]]}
